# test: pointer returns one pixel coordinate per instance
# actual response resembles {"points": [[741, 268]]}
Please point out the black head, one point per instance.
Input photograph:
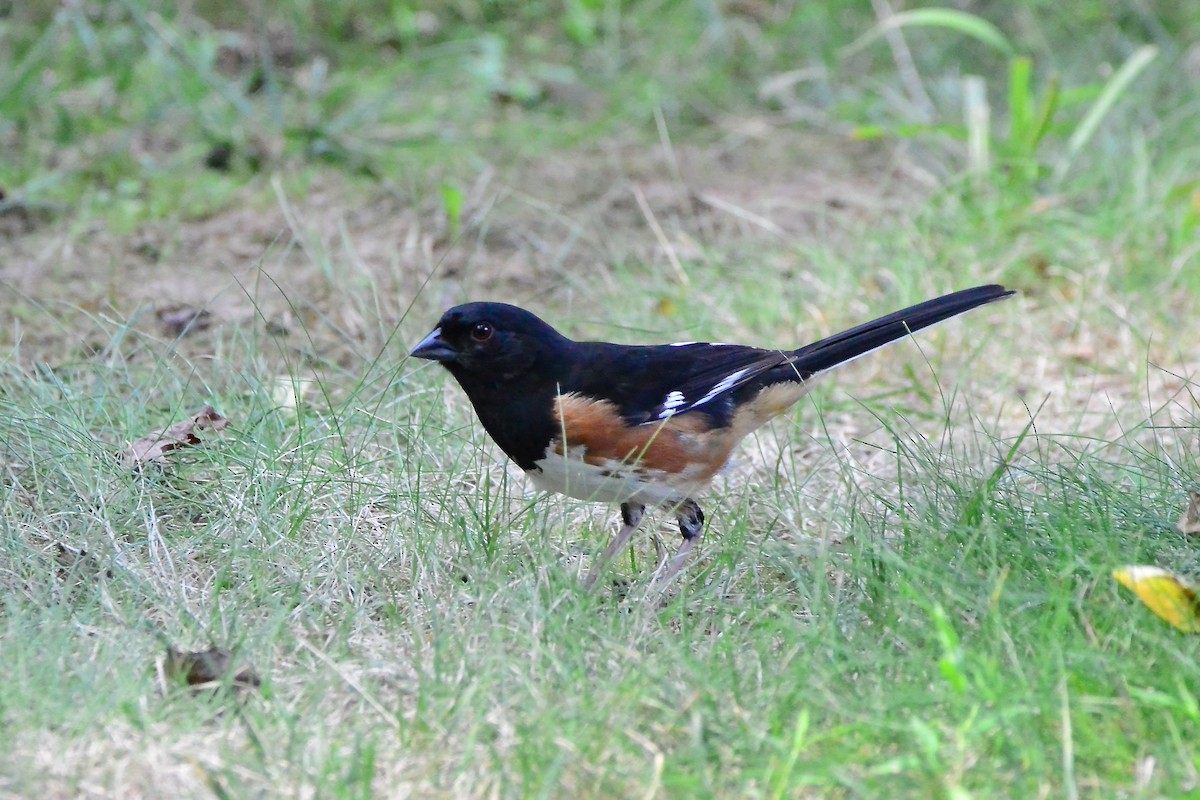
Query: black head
{"points": [[489, 342], [510, 364]]}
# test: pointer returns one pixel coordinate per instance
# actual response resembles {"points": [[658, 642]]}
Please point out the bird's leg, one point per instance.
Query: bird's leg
{"points": [[631, 515], [691, 522]]}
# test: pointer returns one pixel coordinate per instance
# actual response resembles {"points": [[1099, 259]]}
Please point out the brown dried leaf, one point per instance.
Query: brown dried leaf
{"points": [[77, 563], [153, 449], [179, 320], [207, 669], [1189, 523]]}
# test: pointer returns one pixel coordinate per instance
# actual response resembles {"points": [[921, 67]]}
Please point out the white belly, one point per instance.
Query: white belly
{"points": [[611, 483]]}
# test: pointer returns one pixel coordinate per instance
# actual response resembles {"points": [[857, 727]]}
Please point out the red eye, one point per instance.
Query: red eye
{"points": [[481, 332]]}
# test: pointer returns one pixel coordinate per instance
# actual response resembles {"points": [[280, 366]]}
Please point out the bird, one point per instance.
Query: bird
{"points": [[641, 425]]}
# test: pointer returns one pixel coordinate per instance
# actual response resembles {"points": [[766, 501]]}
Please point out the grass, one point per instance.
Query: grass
{"points": [[905, 586]]}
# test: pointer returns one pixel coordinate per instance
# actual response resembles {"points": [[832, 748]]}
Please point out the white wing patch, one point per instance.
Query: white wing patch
{"points": [[723, 386], [674, 400]]}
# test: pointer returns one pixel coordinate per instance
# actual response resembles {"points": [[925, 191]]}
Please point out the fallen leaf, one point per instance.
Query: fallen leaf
{"points": [[153, 449], [219, 157], [206, 669], [77, 563], [180, 320], [1189, 523], [1164, 593]]}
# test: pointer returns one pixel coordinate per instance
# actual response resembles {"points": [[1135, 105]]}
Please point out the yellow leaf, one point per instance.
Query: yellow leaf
{"points": [[1165, 594]]}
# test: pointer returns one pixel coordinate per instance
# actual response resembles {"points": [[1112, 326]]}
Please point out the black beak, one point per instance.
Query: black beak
{"points": [[433, 348]]}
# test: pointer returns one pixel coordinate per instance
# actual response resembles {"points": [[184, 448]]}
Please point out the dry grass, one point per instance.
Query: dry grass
{"points": [[886, 601], [370, 528]]}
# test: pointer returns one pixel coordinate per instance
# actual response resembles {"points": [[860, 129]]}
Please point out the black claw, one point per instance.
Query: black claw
{"points": [[691, 520]]}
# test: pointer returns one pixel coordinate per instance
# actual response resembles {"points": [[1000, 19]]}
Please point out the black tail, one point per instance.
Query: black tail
{"points": [[848, 345]]}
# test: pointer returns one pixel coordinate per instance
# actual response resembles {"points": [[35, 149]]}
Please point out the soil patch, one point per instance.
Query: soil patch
{"points": [[345, 264]]}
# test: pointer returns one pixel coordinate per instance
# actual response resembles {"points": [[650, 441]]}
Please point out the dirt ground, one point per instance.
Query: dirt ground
{"points": [[331, 275], [345, 262]]}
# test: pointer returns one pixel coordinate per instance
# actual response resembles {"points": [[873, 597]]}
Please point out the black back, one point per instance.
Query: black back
{"points": [[513, 378]]}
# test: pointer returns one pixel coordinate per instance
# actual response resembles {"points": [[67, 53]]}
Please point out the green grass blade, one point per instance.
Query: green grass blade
{"points": [[971, 25], [972, 513], [34, 57], [1112, 92], [1020, 105], [1045, 114]]}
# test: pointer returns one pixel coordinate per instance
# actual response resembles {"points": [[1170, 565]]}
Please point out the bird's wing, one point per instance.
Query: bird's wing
{"points": [[653, 383]]}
